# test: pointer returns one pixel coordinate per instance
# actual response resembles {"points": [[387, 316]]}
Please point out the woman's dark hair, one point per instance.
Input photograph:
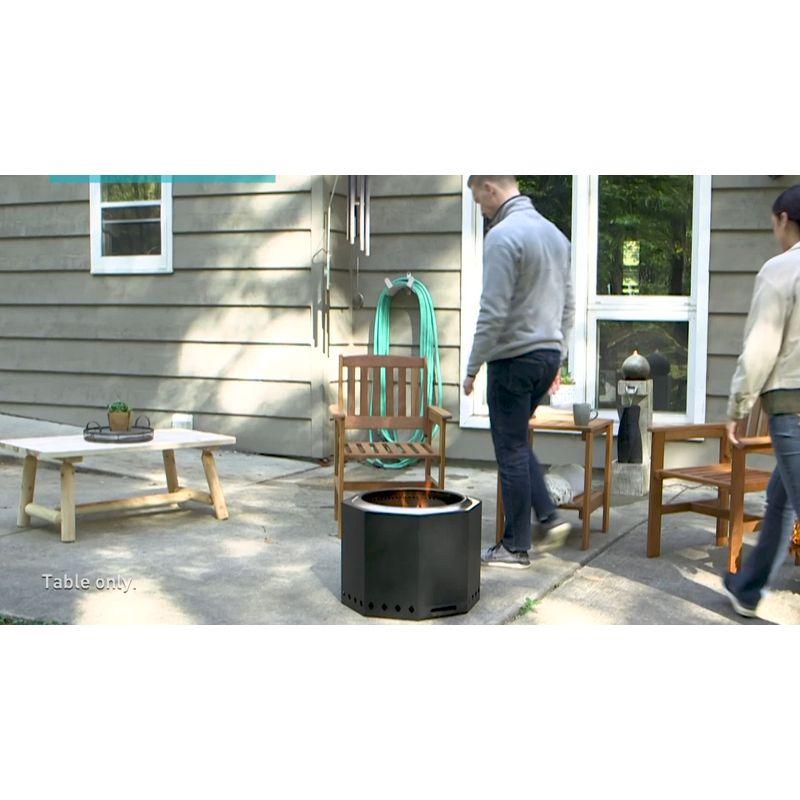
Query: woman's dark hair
{"points": [[788, 201]]}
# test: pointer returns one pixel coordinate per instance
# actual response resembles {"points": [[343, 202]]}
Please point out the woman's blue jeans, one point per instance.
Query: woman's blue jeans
{"points": [[514, 388], [783, 506]]}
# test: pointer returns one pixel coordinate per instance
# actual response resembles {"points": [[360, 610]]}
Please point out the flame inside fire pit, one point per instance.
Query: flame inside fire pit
{"points": [[413, 498]]}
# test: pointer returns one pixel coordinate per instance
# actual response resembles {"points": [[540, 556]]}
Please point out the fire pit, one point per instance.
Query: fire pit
{"points": [[411, 553]]}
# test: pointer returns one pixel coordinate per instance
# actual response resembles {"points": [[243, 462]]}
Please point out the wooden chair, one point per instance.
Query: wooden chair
{"points": [[406, 380], [730, 475]]}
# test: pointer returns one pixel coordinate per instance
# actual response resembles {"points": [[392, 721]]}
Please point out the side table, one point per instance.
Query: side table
{"points": [[589, 500]]}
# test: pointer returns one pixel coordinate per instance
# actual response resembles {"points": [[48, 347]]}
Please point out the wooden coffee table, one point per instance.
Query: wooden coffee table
{"points": [[70, 450], [589, 500]]}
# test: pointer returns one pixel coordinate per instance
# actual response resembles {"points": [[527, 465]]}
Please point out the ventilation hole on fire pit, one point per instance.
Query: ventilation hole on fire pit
{"points": [[371, 606], [384, 606], [440, 609], [411, 609], [361, 602], [348, 597], [397, 608]]}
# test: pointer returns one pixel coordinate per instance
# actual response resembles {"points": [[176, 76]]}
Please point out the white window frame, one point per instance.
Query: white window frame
{"points": [[591, 307], [129, 265]]}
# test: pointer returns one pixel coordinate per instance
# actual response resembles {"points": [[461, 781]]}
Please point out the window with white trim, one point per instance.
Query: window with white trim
{"points": [[130, 226], [640, 261]]}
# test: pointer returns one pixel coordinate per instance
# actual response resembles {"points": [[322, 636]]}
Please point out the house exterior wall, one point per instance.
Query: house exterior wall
{"points": [[238, 334], [228, 336]]}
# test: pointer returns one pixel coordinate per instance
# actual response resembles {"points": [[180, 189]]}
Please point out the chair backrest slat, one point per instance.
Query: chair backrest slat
{"points": [[390, 392], [376, 392], [401, 391], [351, 390], [757, 421], [415, 390], [363, 408]]}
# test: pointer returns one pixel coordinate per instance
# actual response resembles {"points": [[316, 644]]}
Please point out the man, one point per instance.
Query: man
{"points": [[527, 312]]}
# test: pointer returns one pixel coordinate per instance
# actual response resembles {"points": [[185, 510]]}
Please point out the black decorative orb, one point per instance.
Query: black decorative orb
{"points": [[635, 367], [659, 364]]}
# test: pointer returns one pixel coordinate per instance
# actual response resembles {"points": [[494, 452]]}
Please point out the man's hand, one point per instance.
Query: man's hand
{"points": [[469, 382], [732, 425], [555, 385]]}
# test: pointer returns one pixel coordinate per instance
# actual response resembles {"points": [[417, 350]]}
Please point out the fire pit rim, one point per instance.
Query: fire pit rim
{"points": [[463, 504]]}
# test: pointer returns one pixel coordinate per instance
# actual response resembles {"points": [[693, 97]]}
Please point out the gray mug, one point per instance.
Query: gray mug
{"points": [[583, 414]]}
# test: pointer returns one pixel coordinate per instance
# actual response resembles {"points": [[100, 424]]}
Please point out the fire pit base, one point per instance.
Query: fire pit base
{"points": [[411, 553]]}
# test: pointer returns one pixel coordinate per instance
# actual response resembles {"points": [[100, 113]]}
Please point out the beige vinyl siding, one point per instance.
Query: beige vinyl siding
{"points": [[228, 337], [741, 241]]}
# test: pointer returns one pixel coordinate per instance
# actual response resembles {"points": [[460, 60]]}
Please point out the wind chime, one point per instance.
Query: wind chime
{"points": [[358, 225], [358, 232]]}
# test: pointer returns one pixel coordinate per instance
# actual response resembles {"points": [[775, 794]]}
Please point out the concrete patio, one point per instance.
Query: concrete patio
{"points": [[276, 560]]}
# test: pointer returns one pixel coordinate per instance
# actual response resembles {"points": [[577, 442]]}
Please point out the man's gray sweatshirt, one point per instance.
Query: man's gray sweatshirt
{"points": [[528, 301]]}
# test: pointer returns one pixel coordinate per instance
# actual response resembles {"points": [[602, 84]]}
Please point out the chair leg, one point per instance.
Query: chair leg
{"points": [[339, 492], [736, 532], [442, 457], [722, 524], [654, 517]]}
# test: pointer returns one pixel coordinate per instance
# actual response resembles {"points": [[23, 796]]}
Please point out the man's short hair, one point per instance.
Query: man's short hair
{"points": [[502, 180]]}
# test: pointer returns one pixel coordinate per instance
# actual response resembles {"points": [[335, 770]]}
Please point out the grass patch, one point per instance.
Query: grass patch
{"points": [[4, 620], [526, 608]]}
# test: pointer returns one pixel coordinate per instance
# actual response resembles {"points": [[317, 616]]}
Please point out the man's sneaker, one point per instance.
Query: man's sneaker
{"points": [[554, 532], [738, 606], [498, 556]]}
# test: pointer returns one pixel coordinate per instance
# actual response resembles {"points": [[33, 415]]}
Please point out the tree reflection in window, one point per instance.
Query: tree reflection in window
{"points": [[655, 213]]}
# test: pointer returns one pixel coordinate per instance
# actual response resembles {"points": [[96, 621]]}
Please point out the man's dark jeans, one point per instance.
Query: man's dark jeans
{"points": [[783, 505], [515, 387]]}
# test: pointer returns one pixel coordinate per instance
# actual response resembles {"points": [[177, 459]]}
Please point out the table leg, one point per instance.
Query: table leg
{"points": [[607, 477], [26, 490], [214, 486], [170, 470], [67, 502], [587, 489]]}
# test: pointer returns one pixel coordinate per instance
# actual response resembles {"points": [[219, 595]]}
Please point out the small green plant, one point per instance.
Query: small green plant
{"points": [[120, 407], [527, 607], [566, 378]]}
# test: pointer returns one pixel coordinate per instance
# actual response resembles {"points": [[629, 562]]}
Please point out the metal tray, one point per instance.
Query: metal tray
{"points": [[95, 432]]}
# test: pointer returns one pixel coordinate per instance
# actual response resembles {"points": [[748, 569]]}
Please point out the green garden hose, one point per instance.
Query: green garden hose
{"points": [[428, 348]]}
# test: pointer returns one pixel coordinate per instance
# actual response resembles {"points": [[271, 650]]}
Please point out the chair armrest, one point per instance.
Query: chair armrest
{"points": [[438, 414], [755, 443], [336, 412], [677, 433]]}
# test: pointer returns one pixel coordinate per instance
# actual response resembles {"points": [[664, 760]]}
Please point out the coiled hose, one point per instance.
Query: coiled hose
{"points": [[428, 348]]}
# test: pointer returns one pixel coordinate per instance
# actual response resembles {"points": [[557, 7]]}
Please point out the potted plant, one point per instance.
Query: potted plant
{"points": [[119, 416], [562, 392]]}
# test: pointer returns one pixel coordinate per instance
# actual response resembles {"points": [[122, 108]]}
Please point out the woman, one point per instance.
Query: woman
{"points": [[769, 367]]}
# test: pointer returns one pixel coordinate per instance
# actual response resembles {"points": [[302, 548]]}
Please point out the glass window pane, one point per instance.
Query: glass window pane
{"points": [[552, 196], [138, 190], [644, 235], [138, 213], [664, 344], [132, 237]]}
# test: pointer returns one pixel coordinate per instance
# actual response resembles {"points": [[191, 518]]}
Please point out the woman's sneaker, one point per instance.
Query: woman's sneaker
{"points": [[555, 532], [738, 606], [498, 556]]}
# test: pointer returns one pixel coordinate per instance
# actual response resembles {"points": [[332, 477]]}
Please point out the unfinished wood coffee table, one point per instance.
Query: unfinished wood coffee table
{"points": [[71, 450]]}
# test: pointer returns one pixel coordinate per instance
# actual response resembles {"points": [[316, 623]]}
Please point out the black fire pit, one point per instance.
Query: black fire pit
{"points": [[411, 553]]}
